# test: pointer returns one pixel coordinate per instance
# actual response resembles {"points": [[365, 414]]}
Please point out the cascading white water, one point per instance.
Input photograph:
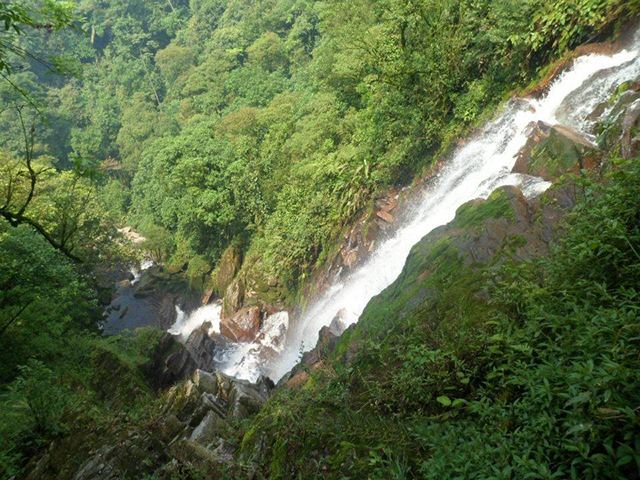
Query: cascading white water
{"points": [[473, 171], [185, 324], [138, 270]]}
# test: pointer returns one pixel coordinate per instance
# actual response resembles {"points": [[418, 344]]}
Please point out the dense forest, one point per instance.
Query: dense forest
{"points": [[265, 130]]}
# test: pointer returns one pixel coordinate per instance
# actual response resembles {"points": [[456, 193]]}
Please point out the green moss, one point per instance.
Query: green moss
{"points": [[555, 156], [472, 214]]}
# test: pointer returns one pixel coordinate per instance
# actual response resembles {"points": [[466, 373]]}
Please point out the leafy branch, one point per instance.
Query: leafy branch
{"points": [[17, 215]]}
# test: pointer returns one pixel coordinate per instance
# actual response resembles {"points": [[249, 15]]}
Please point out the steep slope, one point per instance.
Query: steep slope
{"points": [[485, 359], [507, 348]]}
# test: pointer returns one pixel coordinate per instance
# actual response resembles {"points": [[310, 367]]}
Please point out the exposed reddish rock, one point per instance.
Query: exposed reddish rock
{"points": [[207, 296], [386, 216], [297, 380], [350, 257], [243, 326], [388, 203]]}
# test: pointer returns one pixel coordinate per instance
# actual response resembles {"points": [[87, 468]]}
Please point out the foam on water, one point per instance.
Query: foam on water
{"points": [[185, 324]]}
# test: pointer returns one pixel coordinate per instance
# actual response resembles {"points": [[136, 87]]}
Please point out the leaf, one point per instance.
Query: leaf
{"points": [[444, 400]]}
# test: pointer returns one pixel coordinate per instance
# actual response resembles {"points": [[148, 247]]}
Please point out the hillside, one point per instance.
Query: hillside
{"points": [[442, 195]]}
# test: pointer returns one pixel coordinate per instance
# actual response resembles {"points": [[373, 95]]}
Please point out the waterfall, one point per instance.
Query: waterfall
{"points": [[185, 324], [472, 171]]}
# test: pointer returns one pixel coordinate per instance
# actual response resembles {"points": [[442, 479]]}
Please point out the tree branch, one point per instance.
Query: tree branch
{"points": [[14, 318], [33, 177], [20, 219]]}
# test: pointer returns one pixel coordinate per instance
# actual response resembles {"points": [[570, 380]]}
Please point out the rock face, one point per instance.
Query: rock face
{"points": [[620, 126], [313, 359], [202, 347], [630, 140], [386, 216], [191, 432], [338, 324], [234, 297], [227, 268], [243, 326], [170, 363], [552, 151]]}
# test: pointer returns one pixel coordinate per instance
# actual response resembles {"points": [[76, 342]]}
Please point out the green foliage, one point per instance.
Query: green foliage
{"points": [[206, 109], [15, 19], [565, 23], [32, 410], [520, 369], [74, 394], [42, 297], [270, 126]]}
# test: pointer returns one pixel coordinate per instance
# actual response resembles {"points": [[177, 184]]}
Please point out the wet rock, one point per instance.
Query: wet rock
{"points": [[350, 258], [207, 296], [311, 360], [228, 267], [325, 345], [386, 216], [243, 326], [203, 348], [233, 298], [630, 140], [169, 364], [552, 151], [388, 203], [338, 324]]}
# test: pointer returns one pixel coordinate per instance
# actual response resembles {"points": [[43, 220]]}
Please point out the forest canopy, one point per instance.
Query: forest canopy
{"points": [[188, 117], [259, 132]]}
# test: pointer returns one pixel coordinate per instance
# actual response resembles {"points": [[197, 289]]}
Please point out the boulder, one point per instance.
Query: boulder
{"points": [[207, 296], [552, 151], [338, 324], [386, 216], [311, 360], [388, 203], [227, 268], [170, 363], [246, 399], [207, 430], [206, 382], [193, 400], [243, 326], [233, 298], [203, 348], [273, 331], [630, 139]]}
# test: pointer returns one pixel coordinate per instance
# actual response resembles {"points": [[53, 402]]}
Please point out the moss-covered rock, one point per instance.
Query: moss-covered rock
{"points": [[226, 270], [552, 151], [115, 379]]}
